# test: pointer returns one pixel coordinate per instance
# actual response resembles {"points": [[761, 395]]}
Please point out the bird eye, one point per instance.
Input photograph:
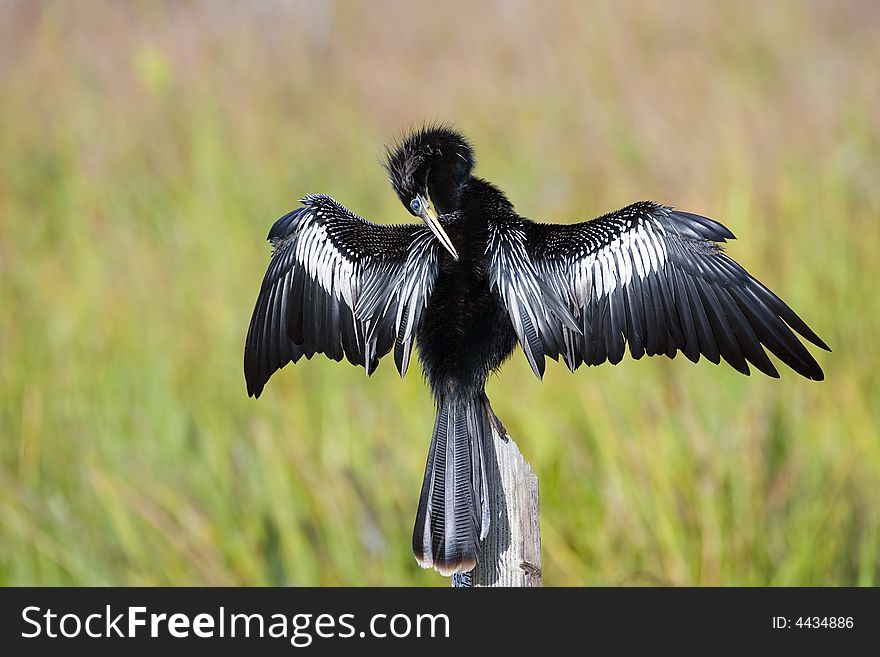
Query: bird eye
{"points": [[416, 205]]}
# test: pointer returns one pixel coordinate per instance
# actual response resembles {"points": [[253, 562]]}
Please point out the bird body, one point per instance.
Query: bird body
{"points": [[476, 280], [466, 332]]}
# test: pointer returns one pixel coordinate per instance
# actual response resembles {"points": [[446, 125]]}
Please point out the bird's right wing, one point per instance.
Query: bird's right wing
{"points": [[338, 285]]}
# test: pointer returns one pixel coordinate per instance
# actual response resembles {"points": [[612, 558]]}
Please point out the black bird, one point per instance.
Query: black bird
{"points": [[476, 279]]}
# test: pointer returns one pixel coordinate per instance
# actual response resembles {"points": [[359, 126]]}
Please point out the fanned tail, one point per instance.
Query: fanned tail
{"points": [[453, 511]]}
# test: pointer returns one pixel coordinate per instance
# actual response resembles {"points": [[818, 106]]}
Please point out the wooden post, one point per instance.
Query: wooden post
{"points": [[511, 553]]}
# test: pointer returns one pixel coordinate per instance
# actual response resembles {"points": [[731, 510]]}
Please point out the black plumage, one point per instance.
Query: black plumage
{"points": [[477, 279]]}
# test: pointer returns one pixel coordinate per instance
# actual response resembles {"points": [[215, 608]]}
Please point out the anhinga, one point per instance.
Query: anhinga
{"points": [[476, 279]]}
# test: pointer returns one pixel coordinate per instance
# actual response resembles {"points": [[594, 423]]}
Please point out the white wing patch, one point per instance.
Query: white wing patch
{"points": [[315, 252], [636, 252]]}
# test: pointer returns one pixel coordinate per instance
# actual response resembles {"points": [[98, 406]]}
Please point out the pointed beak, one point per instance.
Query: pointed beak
{"points": [[431, 221]]}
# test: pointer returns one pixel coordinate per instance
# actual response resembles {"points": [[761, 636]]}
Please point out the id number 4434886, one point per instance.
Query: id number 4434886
{"points": [[814, 622]]}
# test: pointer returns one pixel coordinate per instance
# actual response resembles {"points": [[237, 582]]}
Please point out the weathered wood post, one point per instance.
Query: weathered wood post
{"points": [[511, 553]]}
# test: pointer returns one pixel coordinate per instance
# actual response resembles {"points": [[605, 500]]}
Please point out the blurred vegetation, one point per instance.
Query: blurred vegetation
{"points": [[146, 148]]}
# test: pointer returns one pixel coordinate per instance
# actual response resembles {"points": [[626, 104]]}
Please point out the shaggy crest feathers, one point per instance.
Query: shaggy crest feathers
{"points": [[405, 159]]}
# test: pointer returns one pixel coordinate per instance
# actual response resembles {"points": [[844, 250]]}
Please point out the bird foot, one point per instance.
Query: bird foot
{"points": [[497, 426]]}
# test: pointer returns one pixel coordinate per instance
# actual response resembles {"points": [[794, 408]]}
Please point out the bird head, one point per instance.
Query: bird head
{"points": [[428, 169]]}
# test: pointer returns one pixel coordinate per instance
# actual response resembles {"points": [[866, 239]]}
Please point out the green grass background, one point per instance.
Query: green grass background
{"points": [[146, 148]]}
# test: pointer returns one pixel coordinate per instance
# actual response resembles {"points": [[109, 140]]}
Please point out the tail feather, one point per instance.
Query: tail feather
{"points": [[453, 511]]}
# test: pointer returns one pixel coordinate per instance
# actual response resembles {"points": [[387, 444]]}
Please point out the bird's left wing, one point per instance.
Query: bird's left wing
{"points": [[338, 285], [648, 276]]}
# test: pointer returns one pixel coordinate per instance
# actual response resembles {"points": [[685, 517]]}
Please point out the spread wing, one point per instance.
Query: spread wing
{"points": [[656, 279], [338, 285]]}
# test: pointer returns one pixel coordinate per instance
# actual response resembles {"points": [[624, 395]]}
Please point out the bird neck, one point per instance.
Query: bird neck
{"points": [[445, 194], [481, 199], [480, 204]]}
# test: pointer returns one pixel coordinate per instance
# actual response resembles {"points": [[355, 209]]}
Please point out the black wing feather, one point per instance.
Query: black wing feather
{"points": [[338, 285], [658, 280]]}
